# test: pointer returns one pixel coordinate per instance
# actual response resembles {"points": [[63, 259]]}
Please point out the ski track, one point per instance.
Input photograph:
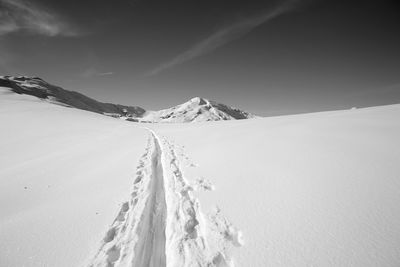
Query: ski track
{"points": [[161, 224]]}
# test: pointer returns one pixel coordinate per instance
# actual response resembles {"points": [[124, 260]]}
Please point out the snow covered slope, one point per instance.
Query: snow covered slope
{"points": [[81, 189], [317, 189], [37, 87], [195, 110], [63, 174]]}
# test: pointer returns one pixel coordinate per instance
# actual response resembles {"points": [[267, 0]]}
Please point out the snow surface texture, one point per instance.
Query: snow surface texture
{"points": [[195, 110], [161, 224], [316, 189]]}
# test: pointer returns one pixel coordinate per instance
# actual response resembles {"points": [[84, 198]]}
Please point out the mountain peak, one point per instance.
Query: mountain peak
{"points": [[197, 109], [199, 100]]}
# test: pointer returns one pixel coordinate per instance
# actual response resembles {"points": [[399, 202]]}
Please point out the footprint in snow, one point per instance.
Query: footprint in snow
{"points": [[203, 184]]}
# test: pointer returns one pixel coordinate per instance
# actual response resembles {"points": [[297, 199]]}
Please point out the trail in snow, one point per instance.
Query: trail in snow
{"points": [[161, 224], [150, 248]]}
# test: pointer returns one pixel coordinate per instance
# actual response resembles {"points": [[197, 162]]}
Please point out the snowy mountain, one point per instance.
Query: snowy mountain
{"points": [[195, 110], [39, 88]]}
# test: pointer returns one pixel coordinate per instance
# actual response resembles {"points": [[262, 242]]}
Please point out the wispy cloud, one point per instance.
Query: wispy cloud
{"points": [[24, 16], [225, 35], [92, 72]]}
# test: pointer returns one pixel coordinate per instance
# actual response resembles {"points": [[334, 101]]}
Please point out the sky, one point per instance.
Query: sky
{"points": [[267, 57]]}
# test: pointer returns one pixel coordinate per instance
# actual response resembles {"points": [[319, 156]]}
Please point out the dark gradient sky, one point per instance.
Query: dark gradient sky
{"points": [[266, 57]]}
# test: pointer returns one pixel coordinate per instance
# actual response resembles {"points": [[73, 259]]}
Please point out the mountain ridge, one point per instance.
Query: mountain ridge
{"points": [[196, 109]]}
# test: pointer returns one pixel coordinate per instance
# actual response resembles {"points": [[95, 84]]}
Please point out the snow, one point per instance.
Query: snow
{"points": [[56, 95], [196, 110], [63, 174], [317, 189], [82, 189], [161, 224]]}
